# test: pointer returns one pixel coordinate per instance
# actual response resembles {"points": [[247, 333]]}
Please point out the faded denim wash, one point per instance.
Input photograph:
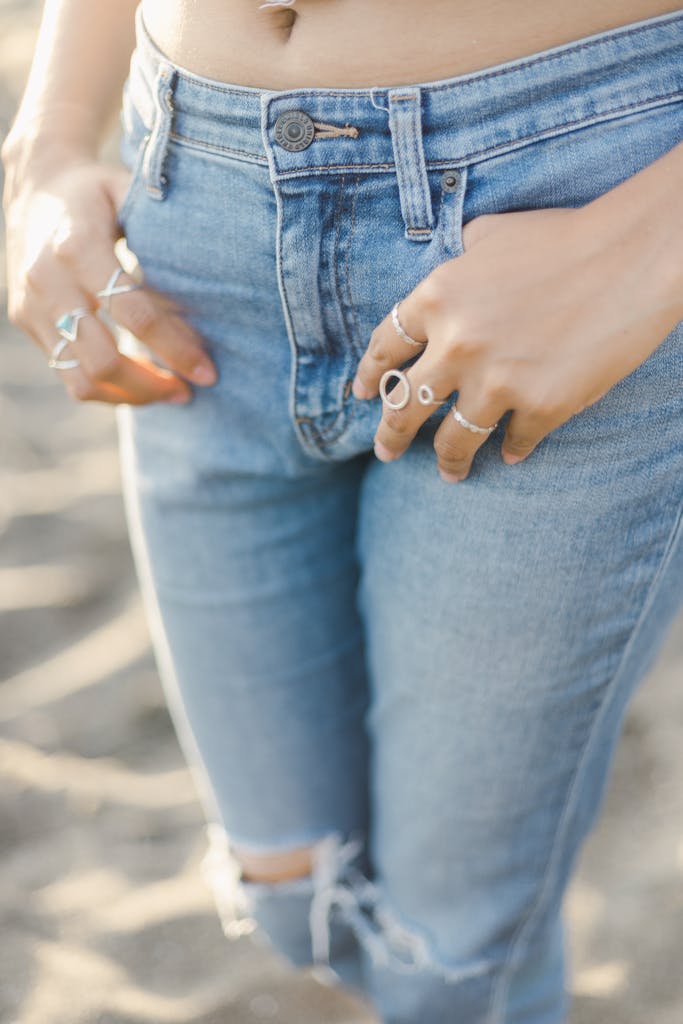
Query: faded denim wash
{"points": [[425, 680]]}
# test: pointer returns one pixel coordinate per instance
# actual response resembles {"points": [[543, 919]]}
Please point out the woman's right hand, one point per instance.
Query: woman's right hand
{"points": [[61, 231]]}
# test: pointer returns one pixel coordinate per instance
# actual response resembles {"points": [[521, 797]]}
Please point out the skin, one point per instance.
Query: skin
{"points": [[597, 289]]}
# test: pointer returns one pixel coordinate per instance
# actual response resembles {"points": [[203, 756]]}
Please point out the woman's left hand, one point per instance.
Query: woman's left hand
{"points": [[542, 314]]}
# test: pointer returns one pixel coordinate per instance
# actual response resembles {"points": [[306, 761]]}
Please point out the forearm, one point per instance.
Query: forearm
{"points": [[644, 215], [79, 66]]}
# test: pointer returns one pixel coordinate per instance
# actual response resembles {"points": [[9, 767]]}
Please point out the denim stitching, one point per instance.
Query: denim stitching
{"points": [[642, 105], [510, 144], [352, 306], [442, 229], [421, 163], [545, 887], [211, 147]]}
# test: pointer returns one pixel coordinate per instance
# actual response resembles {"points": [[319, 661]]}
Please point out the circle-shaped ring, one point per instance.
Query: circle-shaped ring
{"points": [[385, 378], [472, 426], [425, 396], [61, 364], [401, 333]]}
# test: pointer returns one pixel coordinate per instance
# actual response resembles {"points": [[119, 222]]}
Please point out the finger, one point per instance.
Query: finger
{"points": [[84, 388], [135, 381], [398, 427], [523, 432], [387, 348], [455, 444], [149, 316], [75, 380]]}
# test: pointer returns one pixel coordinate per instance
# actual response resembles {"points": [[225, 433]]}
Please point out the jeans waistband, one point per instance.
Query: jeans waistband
{"points": [[447, 122]]}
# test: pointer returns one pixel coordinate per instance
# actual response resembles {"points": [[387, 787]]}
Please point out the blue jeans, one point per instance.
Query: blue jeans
{"points": [[424, 680]]}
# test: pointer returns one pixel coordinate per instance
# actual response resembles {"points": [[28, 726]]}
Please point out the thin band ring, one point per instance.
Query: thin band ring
{"points": [[401, 333], [472, 426], [384, 379]]}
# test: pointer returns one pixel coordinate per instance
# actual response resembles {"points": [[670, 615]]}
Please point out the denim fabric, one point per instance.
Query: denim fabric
{"points": [[425, 680]]}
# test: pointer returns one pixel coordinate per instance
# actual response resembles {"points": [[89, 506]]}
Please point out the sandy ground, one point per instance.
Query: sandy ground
{"points": [[105, 918]]}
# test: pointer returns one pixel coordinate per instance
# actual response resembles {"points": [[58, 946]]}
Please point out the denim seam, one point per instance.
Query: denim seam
{"points": [[498, 994], [355, 336], [512, 144], [210, 147], [637, 107], [344, 261]]}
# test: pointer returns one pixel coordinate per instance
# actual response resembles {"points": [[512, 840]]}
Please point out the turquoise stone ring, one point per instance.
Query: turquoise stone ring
{"points": [[67, 325]]}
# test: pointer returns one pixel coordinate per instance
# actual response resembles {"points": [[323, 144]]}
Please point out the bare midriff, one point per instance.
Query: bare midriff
{"points": [[357, 43]]}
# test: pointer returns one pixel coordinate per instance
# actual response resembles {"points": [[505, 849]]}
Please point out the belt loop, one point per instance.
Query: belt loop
{"points": [[405, 124], [155, 154]]}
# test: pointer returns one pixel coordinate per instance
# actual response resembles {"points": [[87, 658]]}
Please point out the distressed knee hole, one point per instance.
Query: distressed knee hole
{"points": [[333, 889], [274, 867]]}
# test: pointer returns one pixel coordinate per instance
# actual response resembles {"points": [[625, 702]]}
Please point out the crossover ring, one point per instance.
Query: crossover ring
{"points": [[384, 380], [472, 426], [112, 288], [401, 333]]}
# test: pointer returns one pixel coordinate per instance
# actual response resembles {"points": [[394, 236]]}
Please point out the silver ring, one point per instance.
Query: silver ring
{"points": [[67, 325], [111, 288], [400, 375], [401, 333], [61, 364], [472, 426], [425, 396]]}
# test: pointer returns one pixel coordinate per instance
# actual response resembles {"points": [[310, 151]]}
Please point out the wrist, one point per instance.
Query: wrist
{"points": [[31, 158], [48, 128], [641, 222]]}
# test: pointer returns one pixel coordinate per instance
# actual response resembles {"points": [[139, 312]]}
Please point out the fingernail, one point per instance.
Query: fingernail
{"points": [[383, 453], [511, 459], [181, 398], [450, 478], [359, 389], [203, 373]]}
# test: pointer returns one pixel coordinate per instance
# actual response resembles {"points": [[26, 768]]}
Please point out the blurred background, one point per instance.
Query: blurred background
{"points": [[104, 917]]}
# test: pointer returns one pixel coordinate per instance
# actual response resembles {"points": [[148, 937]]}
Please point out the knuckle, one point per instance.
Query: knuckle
{"points": [[37, 273], [462, 343], [71, 243], [449, 455], [17, 313], [431, 293], [540, 407], [142, 316], [497, 388], [396, 423], [376, 349]]}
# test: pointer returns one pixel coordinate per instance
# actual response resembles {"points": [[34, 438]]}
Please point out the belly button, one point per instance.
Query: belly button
{"points": [[282, 19]]}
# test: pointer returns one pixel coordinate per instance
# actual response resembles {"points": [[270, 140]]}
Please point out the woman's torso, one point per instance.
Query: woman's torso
{"points": [[353, 43]]}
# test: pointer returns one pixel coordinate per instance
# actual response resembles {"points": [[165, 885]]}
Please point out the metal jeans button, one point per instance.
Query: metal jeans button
{"points": [[294, 130], [450, 181]]}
